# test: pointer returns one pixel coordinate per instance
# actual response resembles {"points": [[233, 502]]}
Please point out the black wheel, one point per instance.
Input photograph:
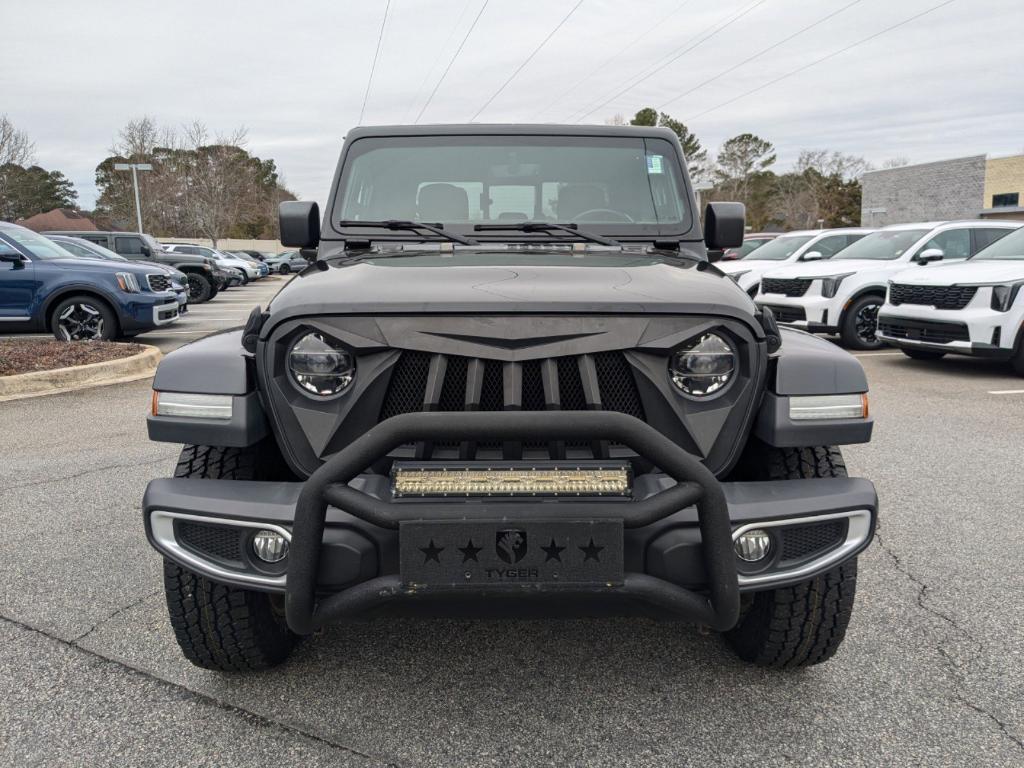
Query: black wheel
{"points": [[83, 318], [217, 626], [860, 323], [922, 354], [804, 624], [245, 279], [200, 288], [285, 269]]}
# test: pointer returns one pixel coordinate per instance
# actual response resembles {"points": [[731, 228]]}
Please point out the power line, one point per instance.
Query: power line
{"points": [[760, 54], [816, 62], [610, 59], [674, 58], [373, 66], [529, 58], [437, 58], [452, 60]]}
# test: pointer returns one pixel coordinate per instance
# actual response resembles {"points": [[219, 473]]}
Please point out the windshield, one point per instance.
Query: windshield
{"points": [[37, 245], [1010, 247], [748, 245], [628, 185], [882, 246], [780, 248]]}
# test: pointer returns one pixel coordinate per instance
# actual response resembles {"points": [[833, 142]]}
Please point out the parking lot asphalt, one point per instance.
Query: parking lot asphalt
{"points": [[932, 672]]}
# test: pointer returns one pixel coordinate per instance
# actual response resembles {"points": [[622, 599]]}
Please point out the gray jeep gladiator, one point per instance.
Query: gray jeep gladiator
{"points": [[510, 382]]}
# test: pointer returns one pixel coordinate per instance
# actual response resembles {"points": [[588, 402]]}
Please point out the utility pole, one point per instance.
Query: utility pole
{"points": [[135, 168]]}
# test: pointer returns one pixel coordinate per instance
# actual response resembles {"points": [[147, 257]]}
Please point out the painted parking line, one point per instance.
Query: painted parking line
{"points": [[1006, 392]]}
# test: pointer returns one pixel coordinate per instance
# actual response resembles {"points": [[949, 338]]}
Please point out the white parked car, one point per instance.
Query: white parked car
{"points": [[249, 268], [973, 307], [790, 248], [843, 294]]}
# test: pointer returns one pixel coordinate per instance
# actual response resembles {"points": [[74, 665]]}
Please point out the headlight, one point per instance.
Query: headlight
{"points": [[830, 285], [127, 282], [705, 366], [319, 368], [1003, 296]]}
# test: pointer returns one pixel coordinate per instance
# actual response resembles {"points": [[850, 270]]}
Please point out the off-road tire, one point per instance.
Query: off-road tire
{"points": [[217, 626], [922, 354], [804, 624], [200, 288], [851, 337]]}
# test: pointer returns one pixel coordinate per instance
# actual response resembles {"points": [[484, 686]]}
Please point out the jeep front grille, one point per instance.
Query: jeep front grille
{"points": [[938, 296], [794, 287], [422, 381]]}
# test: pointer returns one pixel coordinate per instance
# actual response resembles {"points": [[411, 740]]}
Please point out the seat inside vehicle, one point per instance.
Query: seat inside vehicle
{"points": [[442, 202]]}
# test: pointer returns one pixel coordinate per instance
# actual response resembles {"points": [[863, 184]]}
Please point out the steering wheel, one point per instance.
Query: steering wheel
{"points": [[617, 215]]}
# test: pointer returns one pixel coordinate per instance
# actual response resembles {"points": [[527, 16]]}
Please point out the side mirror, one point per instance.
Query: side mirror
{"points": [[930, 254], [724, 225], [11, 257], [146, 250], [812, 256], [300, 224]]}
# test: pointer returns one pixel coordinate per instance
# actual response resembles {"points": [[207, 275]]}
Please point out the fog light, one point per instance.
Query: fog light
{"points": [[270, 546], [752, 546]]}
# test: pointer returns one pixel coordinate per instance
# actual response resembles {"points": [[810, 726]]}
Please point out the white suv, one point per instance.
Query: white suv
{"points": [[843, 295], [970, 308], [250, 269], [790, 248]]}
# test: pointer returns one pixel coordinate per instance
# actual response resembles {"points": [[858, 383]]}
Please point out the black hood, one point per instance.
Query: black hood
{"points": [[505, 281]]}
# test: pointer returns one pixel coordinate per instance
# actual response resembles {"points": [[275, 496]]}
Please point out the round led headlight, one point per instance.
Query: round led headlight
{"points": [[319, 368], [704, 366]]}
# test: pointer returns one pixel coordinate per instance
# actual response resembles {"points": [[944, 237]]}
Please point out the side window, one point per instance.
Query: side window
{"points": [[954, 243], [983, 238], [128, 246], [98, 239], [830, 246]]}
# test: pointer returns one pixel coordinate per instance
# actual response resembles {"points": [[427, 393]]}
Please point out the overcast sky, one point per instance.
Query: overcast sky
{"points": [[295, 73]]}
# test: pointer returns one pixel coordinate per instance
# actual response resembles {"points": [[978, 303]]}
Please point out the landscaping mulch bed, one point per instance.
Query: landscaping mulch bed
{"points": [[27, 355]]}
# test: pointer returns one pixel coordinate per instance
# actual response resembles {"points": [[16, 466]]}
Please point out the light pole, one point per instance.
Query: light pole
{"points": [[135, 168]]}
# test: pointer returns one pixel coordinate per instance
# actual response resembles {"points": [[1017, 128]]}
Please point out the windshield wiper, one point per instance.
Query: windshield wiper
{"points": [[547, 226], [412, 226]]}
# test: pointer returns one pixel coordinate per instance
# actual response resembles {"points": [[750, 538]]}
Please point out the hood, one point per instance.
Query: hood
{"points": [[102, 266], [964, 273], [745, 265], [828, 267], [483, 281]]}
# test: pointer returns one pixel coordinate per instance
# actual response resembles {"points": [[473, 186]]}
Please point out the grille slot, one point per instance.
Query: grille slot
{"points": [[787, 314], [159, 282], [800, 542], [789, 287], [219, 541], [938, 296], [607, 376], [923, 330]]}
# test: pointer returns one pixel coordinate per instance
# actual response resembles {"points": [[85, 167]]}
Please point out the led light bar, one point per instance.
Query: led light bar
{"points": [[816, 407], [192, 405], [429, 481]]}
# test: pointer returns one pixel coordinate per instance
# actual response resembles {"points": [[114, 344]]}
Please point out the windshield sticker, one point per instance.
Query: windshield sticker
{"points": [[655, 164]]}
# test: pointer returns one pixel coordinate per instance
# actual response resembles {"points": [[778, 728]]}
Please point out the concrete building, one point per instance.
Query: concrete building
{"points": [[962, 188]]}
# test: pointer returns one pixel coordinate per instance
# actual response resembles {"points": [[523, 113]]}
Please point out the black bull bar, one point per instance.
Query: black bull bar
{"points": [[695, 485]]}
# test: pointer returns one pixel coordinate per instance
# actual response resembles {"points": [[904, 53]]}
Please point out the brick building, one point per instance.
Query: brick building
{"points": [[59, 219], [962, 188]]}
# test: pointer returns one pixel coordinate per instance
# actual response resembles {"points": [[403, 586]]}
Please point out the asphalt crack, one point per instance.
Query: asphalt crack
{"points": [[248, 716], [76, 640], [956, 669], [86, 472]]}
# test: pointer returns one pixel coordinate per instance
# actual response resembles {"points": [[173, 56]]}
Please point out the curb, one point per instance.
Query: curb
{"points": [[37, 383]]}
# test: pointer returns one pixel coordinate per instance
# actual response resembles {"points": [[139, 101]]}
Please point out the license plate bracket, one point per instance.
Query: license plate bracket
{"points": [[500, 553]]}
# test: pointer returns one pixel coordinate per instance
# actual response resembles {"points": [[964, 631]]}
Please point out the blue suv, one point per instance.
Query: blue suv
{"points": [[45, 288]]}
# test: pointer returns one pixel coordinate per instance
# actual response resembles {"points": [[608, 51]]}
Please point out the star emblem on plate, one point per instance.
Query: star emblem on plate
{"points": [[431, 552], [591, 551], [469, 552], [553, 551]]}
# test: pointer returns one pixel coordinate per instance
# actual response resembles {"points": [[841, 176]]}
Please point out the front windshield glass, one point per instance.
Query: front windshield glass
{"points": [[1009, 248], [882, 246], [37, 245], [779, 249], [619, 185]]}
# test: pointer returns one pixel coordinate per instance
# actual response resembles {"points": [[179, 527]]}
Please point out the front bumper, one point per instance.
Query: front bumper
{"points": [[145, 311], [810, 312], [976, 330], [677, 531]]}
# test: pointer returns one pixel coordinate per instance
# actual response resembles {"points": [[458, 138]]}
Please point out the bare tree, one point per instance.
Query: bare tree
{"points": [[896, 162], [15, 146]]}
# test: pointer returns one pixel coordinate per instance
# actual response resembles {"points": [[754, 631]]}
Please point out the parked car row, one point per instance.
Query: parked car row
{"points": [[929, 288], [105, 285]]}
